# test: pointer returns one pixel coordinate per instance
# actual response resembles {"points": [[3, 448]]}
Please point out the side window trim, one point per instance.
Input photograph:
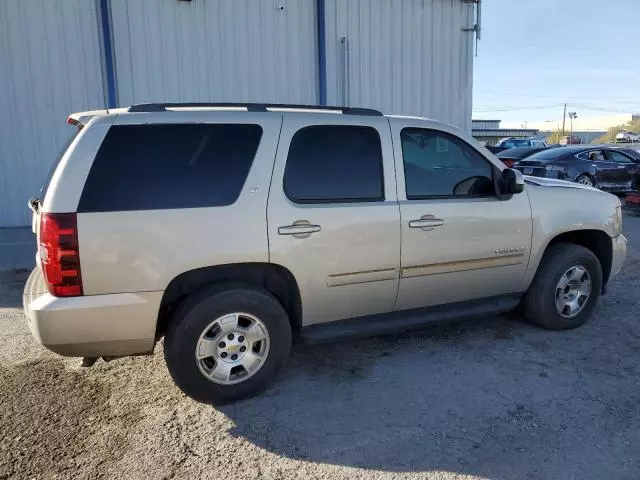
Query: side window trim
{"points": [[461, 142]]}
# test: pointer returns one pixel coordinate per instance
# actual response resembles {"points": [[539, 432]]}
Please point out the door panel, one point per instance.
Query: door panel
{"points": [[480, 250], [344, 253], [625, 169], [456, 248], [606, 170]]}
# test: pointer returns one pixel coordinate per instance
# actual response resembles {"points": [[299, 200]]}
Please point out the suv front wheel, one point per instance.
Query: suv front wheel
{"points": [[226, 344], [566, 288]]}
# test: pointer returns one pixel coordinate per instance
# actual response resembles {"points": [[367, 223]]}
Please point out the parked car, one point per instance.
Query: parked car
{"points": [[226, 231], [513, 142], [627, 137], [597, 166], [632, 202], [494, 149], [512, 155], [569, 140]]}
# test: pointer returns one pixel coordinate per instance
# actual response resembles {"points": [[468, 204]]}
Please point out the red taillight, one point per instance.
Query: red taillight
{"points": [[508, 163], [60, 254]]}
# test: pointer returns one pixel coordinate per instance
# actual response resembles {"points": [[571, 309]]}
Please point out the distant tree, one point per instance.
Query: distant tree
{"points": [[555, 137], [610, 136]]}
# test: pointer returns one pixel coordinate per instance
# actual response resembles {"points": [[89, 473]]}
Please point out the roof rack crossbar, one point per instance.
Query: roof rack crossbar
{"points": [[252, 107]]}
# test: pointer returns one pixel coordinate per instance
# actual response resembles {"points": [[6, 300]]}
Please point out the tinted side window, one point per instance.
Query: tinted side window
{"points": [[619, 158], [593, 156], [152, 167], [437, 164], [334, 163]]}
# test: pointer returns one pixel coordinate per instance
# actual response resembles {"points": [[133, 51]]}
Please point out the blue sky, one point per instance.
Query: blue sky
{"points": [[539, 53]]}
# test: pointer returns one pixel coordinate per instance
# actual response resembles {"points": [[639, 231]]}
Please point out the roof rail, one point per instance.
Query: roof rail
{"points": [[252, 107]]}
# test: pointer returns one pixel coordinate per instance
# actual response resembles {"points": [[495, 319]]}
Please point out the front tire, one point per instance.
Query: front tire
{"points": [[566, 288], [227, 344]]}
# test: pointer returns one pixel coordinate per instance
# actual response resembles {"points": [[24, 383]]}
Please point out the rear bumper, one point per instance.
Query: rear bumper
{"points": [[619, 253], [92, 326]]}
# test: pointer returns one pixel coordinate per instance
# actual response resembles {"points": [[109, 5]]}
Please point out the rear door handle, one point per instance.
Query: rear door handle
{"points": [[299, 230], [426, 222]]}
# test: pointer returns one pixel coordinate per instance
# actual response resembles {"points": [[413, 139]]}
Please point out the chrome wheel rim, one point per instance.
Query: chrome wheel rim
{"points": [[585, 181], [232, 348], [573, 291]]}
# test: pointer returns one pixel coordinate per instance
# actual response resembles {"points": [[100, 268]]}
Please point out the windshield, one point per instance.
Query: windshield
{"points": [[54, 165]]}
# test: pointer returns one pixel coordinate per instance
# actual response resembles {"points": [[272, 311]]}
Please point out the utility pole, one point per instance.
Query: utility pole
{"points": [[564, 117], [572, 115]]}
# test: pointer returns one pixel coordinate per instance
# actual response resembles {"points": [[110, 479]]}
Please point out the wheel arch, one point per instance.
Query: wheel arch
{"points": [[587, 173], [274, 278], [597, 241]]}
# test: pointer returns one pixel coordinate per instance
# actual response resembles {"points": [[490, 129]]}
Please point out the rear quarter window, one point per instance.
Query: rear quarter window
{"points": [[153, 167]]}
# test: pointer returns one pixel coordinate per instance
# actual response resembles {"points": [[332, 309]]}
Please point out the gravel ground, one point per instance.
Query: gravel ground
{"points": [[494, 398]]}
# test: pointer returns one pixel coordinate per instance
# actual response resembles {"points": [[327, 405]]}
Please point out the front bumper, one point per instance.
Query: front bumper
{"points": [[619, 253], [91, 326]]}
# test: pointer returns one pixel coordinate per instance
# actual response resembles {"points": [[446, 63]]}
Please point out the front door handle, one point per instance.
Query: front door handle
{"points": [[426, 222], [300, 229]]}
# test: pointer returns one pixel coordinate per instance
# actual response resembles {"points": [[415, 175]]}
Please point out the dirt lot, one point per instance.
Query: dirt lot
{"points": [[494, 398]]}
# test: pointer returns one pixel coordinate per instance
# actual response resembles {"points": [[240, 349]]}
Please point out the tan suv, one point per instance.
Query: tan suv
{"points": [[225, 228]]}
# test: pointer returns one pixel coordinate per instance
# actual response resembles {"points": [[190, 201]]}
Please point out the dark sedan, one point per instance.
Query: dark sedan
{"points": [[598, 166], [513, 155]]}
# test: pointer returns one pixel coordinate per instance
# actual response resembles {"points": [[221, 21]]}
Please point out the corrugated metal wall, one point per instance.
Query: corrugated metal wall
{"points": [[223, 50], [405, 57], [50, 65]]}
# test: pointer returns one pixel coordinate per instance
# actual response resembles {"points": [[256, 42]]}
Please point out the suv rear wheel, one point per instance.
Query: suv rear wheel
{"points": [[227, 343], [565, 289]]}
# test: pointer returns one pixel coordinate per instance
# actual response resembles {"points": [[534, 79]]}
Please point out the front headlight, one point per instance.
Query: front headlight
{"points": [[553, 168], [617, 221]]}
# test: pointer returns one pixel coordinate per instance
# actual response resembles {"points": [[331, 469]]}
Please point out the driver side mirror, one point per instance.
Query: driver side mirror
{"points": [[511, 182]]}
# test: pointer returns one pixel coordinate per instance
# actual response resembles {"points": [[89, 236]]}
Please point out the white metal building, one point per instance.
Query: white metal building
{"points": [[60, 56]]}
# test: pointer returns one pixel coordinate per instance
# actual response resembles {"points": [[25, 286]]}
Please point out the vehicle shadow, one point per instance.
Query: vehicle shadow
{"points": [[495, 398], [11, 286]]}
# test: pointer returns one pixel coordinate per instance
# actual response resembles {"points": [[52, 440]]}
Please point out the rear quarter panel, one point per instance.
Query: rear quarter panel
{"points": [[556, 210], [134, 251]]}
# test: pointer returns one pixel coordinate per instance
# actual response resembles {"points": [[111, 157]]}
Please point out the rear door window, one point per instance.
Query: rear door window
{"points": [[334, 164], [153, 167], [593, 156]]}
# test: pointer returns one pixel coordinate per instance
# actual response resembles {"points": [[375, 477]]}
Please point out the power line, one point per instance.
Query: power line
{"points": [[559, 97], [601, 109], [509, 109], [486, 108]]}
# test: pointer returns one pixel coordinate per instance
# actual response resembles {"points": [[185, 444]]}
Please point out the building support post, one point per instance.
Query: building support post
{"points": [[108, 64]]}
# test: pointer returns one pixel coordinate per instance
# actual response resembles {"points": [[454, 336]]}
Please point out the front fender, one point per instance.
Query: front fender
{"points": [[557, 210]]}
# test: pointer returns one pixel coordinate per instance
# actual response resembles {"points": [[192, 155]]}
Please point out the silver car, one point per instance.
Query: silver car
{"points": [[625, 136]]}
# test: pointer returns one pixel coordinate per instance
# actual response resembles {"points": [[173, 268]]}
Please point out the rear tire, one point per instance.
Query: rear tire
{"points": [[585, 179], [551, 288], [194, 339]]}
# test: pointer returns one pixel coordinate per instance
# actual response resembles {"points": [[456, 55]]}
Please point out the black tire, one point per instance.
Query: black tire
{"points": [[585, 176], [190, 321], [539, 301]]}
